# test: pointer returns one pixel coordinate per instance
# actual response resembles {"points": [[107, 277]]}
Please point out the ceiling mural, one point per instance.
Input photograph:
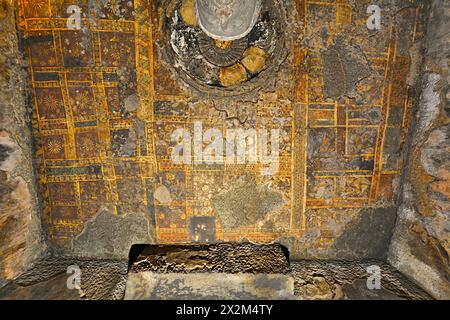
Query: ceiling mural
{"points": [[138, 114]]}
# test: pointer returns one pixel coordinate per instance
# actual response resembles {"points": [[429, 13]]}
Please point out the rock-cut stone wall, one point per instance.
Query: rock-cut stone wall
{"points": [[20, 233], [420, 247]]}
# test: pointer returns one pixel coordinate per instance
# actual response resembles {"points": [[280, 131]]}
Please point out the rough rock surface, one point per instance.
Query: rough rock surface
{"points": [[229, 258], [310, 280], [21, 238], [100, 280], [420, 247], [337, 280]]}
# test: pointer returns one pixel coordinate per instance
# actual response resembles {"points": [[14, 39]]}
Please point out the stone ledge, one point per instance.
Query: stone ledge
{"points": [[218, 258]]}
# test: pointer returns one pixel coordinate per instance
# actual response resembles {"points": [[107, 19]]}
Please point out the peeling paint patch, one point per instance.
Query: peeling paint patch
{"points": [[111, 236], [344, 67], [246, 203]]}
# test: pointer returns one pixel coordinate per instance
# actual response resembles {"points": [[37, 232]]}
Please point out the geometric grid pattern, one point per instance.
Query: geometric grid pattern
{"points": [[336, 156]]}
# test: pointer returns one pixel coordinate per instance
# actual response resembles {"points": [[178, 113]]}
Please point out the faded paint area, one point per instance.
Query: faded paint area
{"points": [[114, 241], [107, 98], [104, 279]]}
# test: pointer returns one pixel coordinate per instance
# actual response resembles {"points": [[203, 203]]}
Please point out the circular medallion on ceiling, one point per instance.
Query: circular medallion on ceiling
{"points": [[221, 67]]}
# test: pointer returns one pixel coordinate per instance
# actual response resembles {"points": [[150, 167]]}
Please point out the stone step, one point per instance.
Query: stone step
{"points": [[216, 271]]}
